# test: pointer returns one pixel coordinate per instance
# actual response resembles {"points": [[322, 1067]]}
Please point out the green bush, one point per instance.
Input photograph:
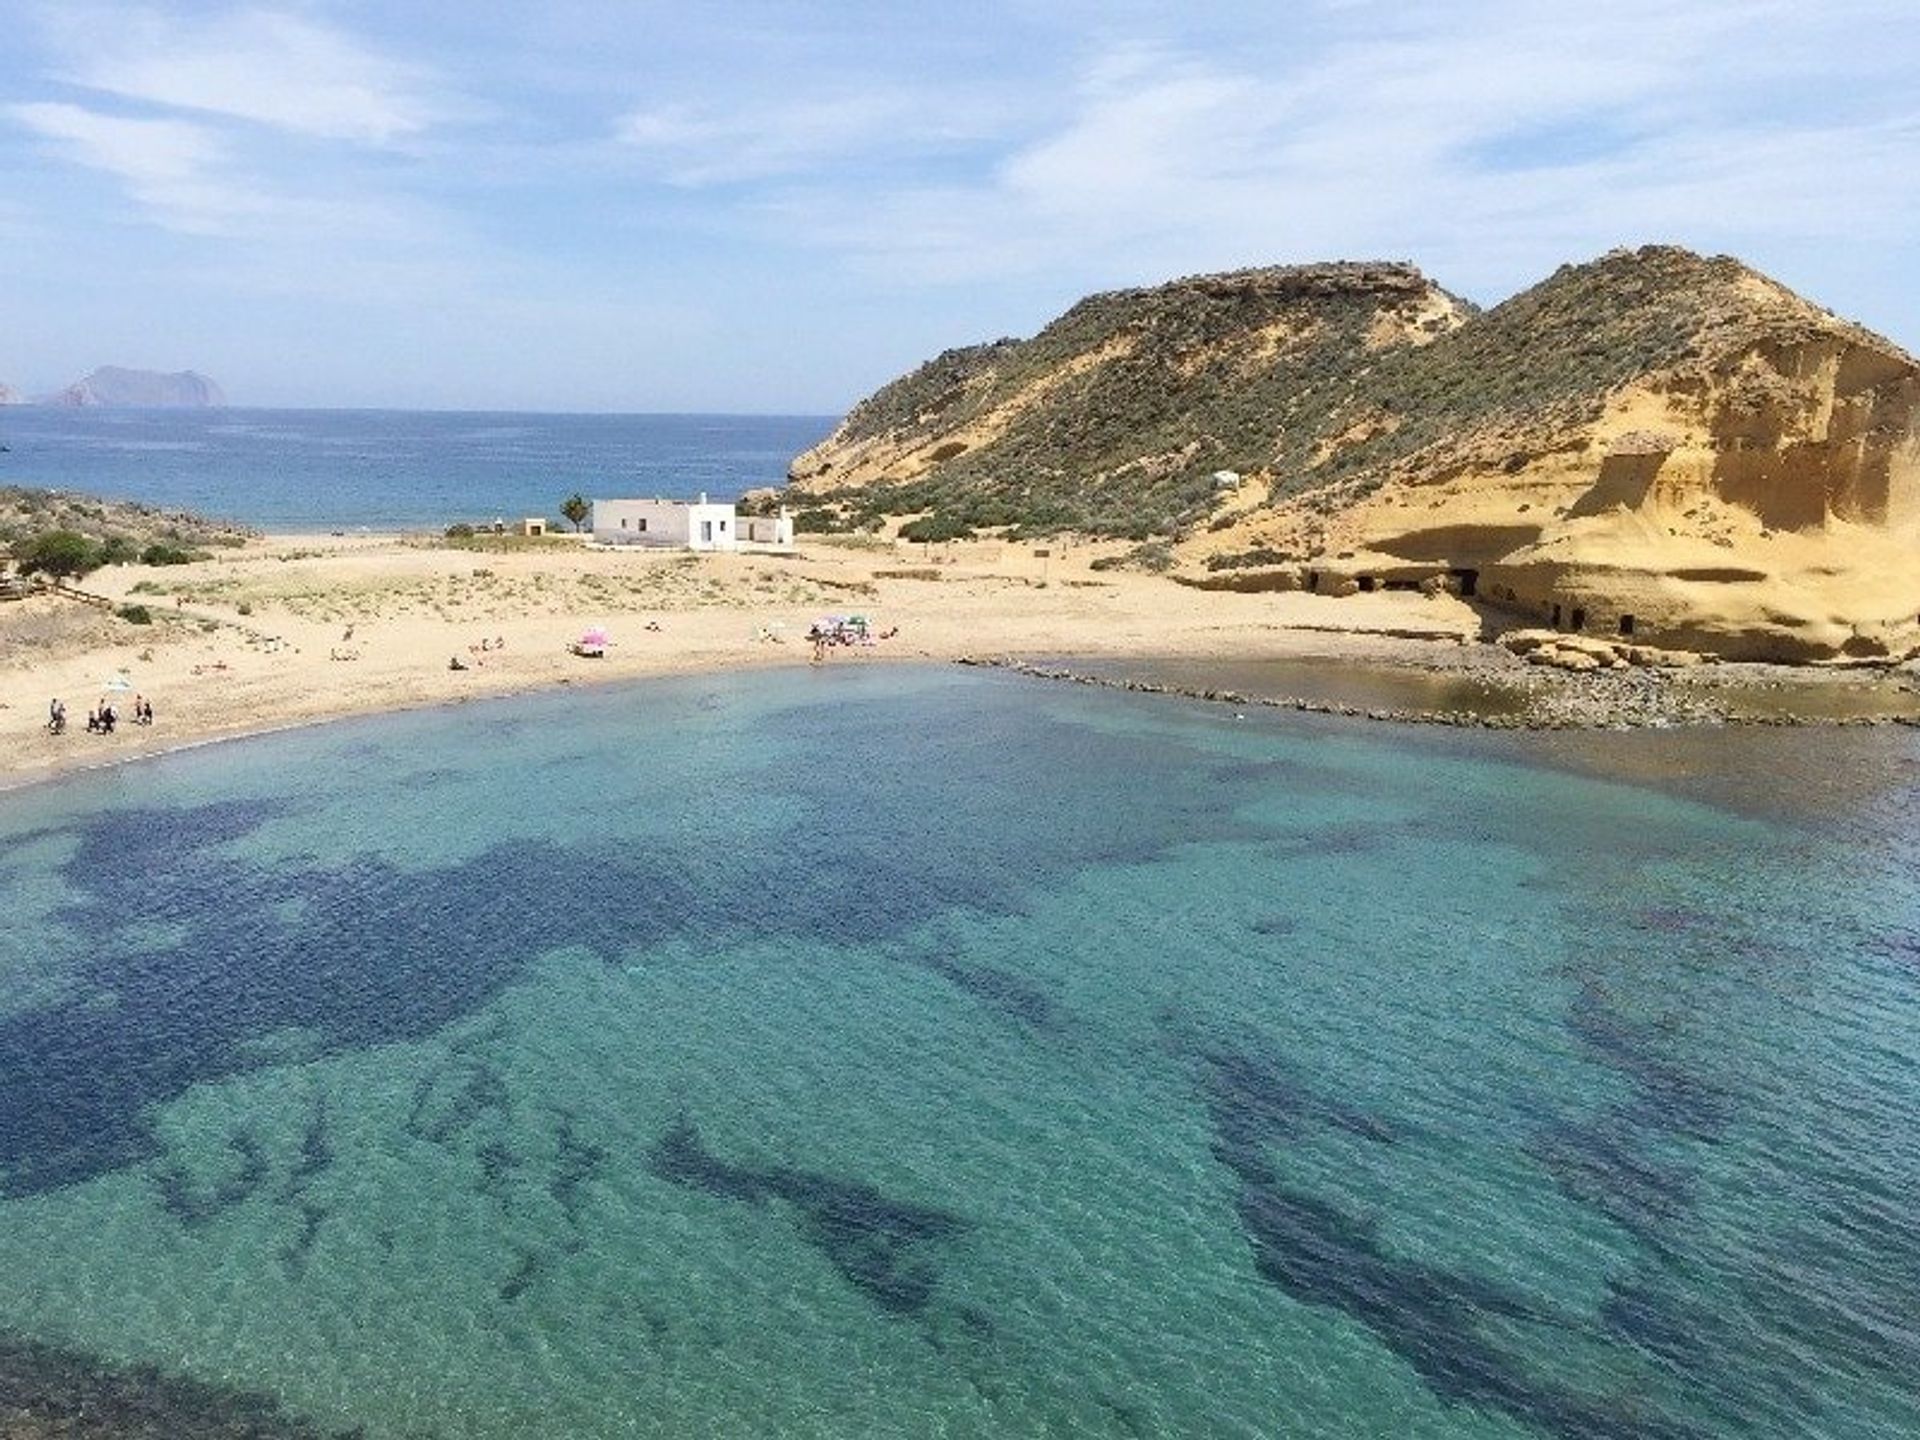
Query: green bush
{"points": [[459, 532], [135, 614], [1154, 556], [819, 520], [59, 553], [936, 527], [161, 553]]}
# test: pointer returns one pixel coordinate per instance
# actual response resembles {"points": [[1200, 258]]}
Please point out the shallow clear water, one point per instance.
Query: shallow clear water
{"points": [[938, 1053], [311, 470]]}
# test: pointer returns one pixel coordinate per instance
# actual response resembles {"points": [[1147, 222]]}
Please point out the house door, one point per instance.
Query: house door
{"points": [[706, 532]]}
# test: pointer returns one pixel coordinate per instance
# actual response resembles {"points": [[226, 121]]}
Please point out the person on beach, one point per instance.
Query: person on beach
{"points": [[57, 717]]}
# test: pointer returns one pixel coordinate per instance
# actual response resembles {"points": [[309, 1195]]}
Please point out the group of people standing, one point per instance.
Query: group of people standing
{"points": [[101, 719]]}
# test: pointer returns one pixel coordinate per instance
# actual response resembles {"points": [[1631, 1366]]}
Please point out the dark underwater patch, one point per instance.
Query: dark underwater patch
{"points": [[577, 1163], [1601, 1166], [1012, 994], [363, 953], [297, 1251], [48, 1391], [878, 1244], [1669, 1097], [194, 1200], [531, 1265], [452, 1097], [1256, 1099], [316, 1149], [1322, 1255]]}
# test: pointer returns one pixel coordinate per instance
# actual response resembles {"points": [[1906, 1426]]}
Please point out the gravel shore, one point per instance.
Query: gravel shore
{"points": [[1541, 698]]}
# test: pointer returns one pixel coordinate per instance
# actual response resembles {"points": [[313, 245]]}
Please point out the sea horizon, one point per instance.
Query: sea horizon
{"points": [[318, 469]]}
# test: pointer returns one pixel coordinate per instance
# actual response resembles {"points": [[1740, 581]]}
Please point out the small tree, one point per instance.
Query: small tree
{"points": [[574, 510], [59, 553]]}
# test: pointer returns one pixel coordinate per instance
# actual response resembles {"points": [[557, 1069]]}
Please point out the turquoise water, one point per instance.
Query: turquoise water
{"points": [[929, 1052], [311, 470]]}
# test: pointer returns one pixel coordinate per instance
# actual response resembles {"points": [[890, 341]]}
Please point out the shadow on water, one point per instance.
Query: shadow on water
{"points": [[879, 1245], [1435, 1319]]}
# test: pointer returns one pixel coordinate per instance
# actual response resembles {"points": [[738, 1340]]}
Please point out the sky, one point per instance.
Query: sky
{"points": [[776, 207]]}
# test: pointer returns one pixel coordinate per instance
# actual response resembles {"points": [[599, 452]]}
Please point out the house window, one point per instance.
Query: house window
{"points": [[640, 524], [623, 522]]}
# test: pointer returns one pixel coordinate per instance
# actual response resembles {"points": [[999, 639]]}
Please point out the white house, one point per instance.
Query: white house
{"points": [[685, 525], [669, 524]]}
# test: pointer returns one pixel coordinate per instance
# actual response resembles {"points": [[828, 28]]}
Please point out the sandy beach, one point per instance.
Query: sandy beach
{"points": [[296, 629]]}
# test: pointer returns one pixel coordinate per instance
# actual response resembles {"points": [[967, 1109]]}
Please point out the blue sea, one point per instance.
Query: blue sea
{"points": [[933, 1052], [317, 470]]}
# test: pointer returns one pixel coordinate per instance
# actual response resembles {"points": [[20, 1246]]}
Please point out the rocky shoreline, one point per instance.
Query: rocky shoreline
{"points": [[1638, 699]]}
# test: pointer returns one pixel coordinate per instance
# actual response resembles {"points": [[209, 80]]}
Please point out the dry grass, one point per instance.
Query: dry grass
{"points": [[484, 594]]}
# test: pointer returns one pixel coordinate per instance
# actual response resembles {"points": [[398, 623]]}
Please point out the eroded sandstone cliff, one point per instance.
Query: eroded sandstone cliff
{"points": [[1654, 445]]}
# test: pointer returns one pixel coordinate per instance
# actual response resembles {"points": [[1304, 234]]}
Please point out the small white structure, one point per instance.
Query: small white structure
{"points": [[686, 525], [772, 530], [667, 524]]}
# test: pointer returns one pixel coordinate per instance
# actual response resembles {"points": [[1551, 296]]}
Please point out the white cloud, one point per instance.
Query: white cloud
{"points": [[271, 69], [699, 145], [183, 175], [1489, 144], [145, 152], [165, 164]]}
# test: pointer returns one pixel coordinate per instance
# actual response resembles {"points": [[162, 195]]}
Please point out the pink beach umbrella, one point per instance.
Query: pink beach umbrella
{"points": [[594, 637]]}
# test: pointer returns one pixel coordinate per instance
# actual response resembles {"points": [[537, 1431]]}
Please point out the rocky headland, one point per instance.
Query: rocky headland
{"points": [[1668, 454], [116, 386]]}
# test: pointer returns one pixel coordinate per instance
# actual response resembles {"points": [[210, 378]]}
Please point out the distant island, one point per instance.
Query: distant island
{"points": [[115, 386], [1653, 449]]}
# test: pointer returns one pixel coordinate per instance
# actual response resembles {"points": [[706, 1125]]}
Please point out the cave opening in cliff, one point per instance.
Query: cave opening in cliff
{"points": [[1626, 624], [1556, 617], [1469, 581], [1579, 621], [1366, 584]]}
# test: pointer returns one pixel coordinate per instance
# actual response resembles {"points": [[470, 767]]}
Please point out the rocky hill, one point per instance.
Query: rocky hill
{"points": [[1116, 417], [1654, 445], [27, 511], [116, 386]]}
